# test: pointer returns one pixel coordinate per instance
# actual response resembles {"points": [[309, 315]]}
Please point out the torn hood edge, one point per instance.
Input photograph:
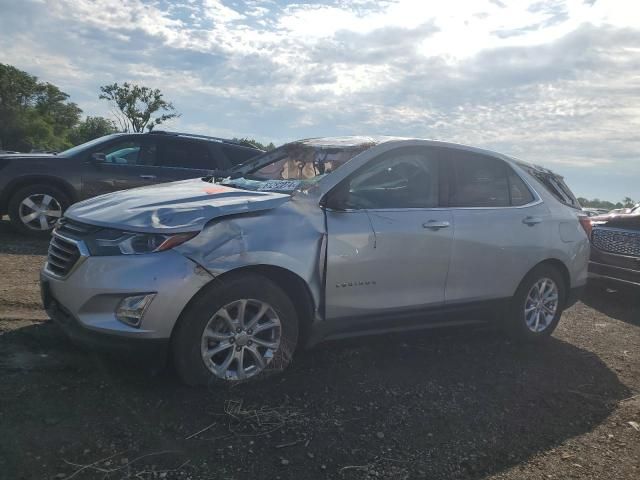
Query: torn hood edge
{"points": [[184, 206]]}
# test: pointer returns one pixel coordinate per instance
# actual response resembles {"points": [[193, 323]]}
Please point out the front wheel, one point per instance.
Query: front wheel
{"points": [[238, 329], [537, 305], [34, 210]]}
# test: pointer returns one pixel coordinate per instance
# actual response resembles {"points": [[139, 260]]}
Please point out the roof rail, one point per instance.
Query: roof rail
{"points": [[204, 137]]}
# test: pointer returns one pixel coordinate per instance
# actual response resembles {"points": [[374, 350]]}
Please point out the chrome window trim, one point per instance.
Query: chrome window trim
{"points": [[534, 203], [84, 254]]}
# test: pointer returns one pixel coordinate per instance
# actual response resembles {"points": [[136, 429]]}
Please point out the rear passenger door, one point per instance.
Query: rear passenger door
{"points": [[500, 227], [181, 159]]}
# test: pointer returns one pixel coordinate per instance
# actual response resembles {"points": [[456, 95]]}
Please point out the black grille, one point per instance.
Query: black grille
{"points": [[71, 228], [62, 256], [623, 242]]}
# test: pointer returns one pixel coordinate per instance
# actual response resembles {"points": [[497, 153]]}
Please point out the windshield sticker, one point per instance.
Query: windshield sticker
{"points": [[280, 185]]}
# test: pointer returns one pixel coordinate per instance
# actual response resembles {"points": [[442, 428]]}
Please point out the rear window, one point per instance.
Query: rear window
{"points": [[183, 154]]}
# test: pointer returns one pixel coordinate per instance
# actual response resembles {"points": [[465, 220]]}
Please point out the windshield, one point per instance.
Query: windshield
{"points": [[85, 146], [294, 166]]}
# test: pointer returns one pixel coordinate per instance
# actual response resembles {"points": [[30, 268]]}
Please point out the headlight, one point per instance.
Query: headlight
{"points": [[115, 242]]}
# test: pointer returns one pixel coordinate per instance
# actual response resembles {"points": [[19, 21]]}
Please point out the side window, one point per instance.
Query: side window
{"points": [[397, 180], [238, 155], [520, 193], [130, 152], [184, 154], [478, 181]]}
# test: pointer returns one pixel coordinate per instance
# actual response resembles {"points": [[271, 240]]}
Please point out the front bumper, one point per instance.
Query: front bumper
{"points": [[84, 303], [153, 350]]}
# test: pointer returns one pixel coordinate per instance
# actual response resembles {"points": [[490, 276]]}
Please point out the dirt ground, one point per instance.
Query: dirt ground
{"points": [[439, 405]]}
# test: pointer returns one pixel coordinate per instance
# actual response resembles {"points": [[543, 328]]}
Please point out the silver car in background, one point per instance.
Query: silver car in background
{"points": [[319, 239]]}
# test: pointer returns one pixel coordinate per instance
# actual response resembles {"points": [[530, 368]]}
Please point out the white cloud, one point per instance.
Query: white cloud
{"points": [[554, 81]]}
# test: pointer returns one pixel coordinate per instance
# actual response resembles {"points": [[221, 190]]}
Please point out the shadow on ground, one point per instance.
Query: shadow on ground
{"points": [[621, 303], [446, 404]]}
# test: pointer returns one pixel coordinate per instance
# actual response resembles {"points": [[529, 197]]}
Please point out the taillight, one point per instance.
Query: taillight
{"points": [[586, 224]]}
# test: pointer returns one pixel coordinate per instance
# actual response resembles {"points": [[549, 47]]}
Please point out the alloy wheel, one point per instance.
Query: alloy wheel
{"points": [[241, 339], [39, 211], [541, 305]]}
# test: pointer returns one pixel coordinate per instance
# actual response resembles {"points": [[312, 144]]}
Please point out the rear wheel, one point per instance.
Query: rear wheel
{"points": [[238, 329], [35, 209], [537, 305]]}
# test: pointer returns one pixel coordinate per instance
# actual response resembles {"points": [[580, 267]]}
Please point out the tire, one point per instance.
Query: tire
{"points": [[40, 196], [188, 344], [516, 324]]}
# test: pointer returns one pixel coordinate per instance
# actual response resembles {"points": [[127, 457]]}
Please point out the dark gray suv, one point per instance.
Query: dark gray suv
{"points": [[36, 189]]}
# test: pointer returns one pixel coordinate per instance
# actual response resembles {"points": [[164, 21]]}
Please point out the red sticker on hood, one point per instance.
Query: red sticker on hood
{"points": [[216, 189]]}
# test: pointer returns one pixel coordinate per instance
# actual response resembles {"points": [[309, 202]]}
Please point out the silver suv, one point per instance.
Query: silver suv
{"points": [[319, 239]]}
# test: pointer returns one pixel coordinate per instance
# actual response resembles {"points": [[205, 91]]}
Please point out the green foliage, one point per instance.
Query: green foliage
{"points": [[33, 114], [597, 203], [251, 142], [90, 128], [135, 106]]}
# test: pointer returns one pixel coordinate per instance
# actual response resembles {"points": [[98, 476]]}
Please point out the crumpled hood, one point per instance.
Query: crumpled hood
{"points": [[184, 206]]}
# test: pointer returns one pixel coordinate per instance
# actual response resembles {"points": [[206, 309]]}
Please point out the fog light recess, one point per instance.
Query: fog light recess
{"points": [[131, 309]]}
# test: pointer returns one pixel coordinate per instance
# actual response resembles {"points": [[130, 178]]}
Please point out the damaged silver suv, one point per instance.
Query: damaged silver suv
{"points": [[318, 239]]}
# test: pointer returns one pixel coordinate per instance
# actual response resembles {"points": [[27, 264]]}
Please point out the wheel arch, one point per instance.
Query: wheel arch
{"points": [[27, 180], [557, 265], [291, 283]]}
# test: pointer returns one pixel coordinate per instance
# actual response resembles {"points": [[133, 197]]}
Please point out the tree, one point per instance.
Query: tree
{"points": [[90, 128], [597, 203], [628, 202], [135, 107], [33, 115], [250, 142]]}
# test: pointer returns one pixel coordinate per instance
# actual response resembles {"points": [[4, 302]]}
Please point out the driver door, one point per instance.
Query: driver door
{"points": [[389, 240], [127, 162]]}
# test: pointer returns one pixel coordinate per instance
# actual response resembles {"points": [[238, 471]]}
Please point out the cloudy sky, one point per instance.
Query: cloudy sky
{"points": [[555, 82]]}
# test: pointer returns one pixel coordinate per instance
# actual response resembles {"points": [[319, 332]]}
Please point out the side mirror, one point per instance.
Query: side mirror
{"points": [[98, 157]]}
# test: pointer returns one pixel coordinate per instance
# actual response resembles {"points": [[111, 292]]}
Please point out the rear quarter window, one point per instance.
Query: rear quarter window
{"points": [[518, 190]]}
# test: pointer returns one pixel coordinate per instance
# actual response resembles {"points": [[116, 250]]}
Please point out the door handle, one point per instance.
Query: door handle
{"points": [[148, 177], [435, 225], [531, 221]]}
